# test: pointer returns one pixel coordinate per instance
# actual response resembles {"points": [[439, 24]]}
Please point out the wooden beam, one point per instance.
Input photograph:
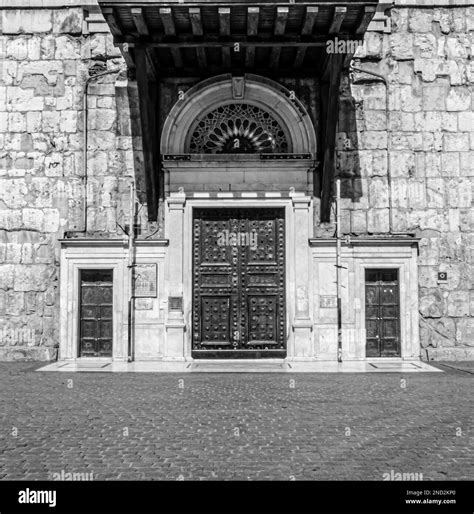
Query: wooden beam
{"points": [[253, 14], [307, 30], [112, 21], [127, 56], [224, 21], [166, 15], [224, 30], [149, 123], [309, 19], [151, 64], [139, 20], [275, 56], [201, 57], [337, 19], [215, 41], [280, 21], [196, 21], [196, 26], [369, 11], [300, 55], [177, 59], [280, 26], [330, 103]]}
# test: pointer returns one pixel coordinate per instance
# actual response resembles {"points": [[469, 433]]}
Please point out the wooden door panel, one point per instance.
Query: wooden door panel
{"points": [[249, 271], [96, 312], [382, 313]]}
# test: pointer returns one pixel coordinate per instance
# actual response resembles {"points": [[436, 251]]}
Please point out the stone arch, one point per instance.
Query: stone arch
{"points": [[254, 90]]}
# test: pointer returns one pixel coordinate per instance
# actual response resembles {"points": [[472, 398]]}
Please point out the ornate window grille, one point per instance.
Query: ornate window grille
{"points": [[238, 128]]}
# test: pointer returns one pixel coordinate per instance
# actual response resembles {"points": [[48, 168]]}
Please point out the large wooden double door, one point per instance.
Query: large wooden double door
{"points": [[239, 283]]}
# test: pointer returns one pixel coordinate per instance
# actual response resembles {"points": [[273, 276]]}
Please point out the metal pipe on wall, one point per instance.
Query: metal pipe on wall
{"points": [[338, 270]]}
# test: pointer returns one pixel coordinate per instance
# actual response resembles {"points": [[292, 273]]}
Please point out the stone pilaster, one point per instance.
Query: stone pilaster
{"points": [[174, 228], [302, 324]]}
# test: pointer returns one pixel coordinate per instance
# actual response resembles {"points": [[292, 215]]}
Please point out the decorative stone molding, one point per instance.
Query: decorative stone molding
{"points": [[259, 91]]}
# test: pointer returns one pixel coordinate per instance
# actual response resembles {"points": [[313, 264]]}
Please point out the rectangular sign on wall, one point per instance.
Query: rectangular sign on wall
{"points": [[145, 281]]}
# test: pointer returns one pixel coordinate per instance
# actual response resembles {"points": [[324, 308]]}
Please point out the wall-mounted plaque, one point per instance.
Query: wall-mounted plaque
{"points": [[328, 302], [145, 282]]}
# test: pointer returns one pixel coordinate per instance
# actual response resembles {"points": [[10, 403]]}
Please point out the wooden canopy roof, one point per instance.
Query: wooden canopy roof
{"points": [[206, 37]]}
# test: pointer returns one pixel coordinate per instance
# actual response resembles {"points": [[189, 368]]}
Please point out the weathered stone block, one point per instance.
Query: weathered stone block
{"points": [[466, 121], [437, 332], [416, 194], [465, 331], [420, 20], [402, 164], [13, 193], [33, 121], [378, 221], [17, 48], [406, 140], [458, 99], [358, 222], [400, 193], [411, 98], [457, 47], [434, 98], [101, 140], [68, 21], [68, 121], [51, 121], [432, 303], [429, 251], [458, 303], [32, 278], [450, 164], [50, 220], [103, 119], [10, 219], [458, 142], [28, 21], [467, 163], [404, 70], [372, 139], [435, 193], [23, 100], [378, 192], [424, 45], [67, 48], [401, 46], [7, 274], [32, 219]]}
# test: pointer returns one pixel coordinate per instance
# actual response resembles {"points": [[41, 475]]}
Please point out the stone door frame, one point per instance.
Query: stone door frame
{"points": [[87, 254], [298, 228]]}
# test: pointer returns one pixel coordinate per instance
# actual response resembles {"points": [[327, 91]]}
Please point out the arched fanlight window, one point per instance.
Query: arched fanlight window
{"points": [[238, 128]]}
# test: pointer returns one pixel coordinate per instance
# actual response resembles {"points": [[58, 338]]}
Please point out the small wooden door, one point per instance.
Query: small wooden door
{"points": [[239, 283], [96, 310], [382, 313]]}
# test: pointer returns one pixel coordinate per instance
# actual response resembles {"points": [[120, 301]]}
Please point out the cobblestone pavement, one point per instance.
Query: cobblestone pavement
{"points": [[235, 426]]}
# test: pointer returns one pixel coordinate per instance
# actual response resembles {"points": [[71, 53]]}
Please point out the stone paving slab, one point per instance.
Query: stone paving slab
{"points": [[234, 426], [242, 366]]}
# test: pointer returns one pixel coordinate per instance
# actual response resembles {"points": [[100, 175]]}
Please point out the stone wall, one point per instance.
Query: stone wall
{"points": [[45, 61], [429, 178]]}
